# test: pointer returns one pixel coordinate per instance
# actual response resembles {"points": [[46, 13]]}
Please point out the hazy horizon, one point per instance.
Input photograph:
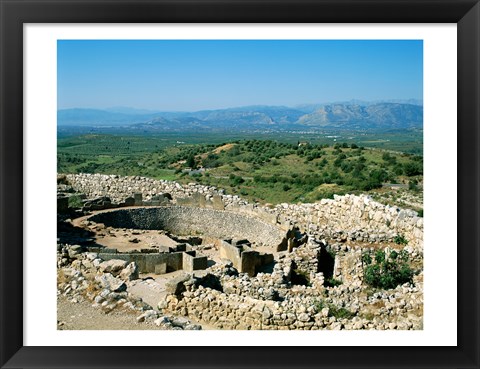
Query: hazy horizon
{"points": [[186, 75], [350, 101]]}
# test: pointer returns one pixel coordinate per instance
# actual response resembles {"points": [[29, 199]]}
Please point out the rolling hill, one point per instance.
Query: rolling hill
{"points": [[380, 116]]}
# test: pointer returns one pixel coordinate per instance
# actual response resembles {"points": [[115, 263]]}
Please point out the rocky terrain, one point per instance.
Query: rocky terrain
{"points": [[324, 278]]}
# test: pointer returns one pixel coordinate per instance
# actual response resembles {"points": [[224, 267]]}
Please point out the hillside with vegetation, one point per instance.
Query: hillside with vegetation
{"points": [[266, 171]]}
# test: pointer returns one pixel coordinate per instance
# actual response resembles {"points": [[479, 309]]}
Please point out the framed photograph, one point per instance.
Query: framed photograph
{"points": [[239, 184]]}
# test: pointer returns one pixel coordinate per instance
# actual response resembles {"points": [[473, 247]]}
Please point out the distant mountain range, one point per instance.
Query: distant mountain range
{"points": [[346, 115]]}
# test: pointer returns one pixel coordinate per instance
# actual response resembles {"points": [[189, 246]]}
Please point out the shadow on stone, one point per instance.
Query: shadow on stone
{"points": [[326, 263], [67, 233], [267, 268], [211, 281]]}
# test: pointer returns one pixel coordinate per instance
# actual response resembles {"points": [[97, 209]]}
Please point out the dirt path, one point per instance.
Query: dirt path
{"points": [[82, 316]]}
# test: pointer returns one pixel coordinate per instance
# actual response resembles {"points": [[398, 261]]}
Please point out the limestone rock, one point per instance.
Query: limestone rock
{"points": [[130, 272], [176, 285], [303, 317], [149, 315], [193, 327], [161, 321], [111, 283], [114, 266], [75, 251]]}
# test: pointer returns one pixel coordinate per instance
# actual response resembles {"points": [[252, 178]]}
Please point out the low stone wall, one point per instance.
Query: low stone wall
{"points": [[192, 262], [232, 253], [146, 263], [182, 220], [118, 188], [358, 218], [149, 262], [231, 311], [243, 258], [343, 218]]}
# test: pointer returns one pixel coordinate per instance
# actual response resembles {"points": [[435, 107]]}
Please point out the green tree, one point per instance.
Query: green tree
{"points": [[190, 161], [386, 272], [413, 168]]}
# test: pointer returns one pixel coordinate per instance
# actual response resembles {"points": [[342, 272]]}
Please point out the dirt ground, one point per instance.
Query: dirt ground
{"points": [[125, 241], [83, 316]]}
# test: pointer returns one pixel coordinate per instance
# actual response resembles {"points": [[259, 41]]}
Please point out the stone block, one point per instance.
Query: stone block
{"points": [[113, 266], [217, 202], [108, 250], [138, 199], [249, 262], [192, 262], [161, 268], [110, 282], [199, 200], [185, 201], [200, 262], [232, 253], [176, 285], [129, 201], [164, 249], [179, 247]]}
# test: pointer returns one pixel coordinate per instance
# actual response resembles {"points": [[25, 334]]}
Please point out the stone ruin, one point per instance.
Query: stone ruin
{"points": [[261, 267], [243, 257], [181, 220]]}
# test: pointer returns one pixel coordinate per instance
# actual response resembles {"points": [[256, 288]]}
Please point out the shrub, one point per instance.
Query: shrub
{"points": [[333, 310], [236, 180], [190, 162], [319, 305], [412, 185], [300, 277], [75, 202], [332, 282], [386, 272], [400, 240], [340, 312], [412, 168]]}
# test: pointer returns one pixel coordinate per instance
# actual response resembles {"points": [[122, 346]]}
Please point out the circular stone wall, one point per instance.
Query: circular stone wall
{"points": [[183, 220]]}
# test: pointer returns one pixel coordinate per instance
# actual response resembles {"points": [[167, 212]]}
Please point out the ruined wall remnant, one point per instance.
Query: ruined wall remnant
{"points": [[146, 262], [183, 220], [357, 218], [347, 217], [192, 262], [160, 263], [243, 257]]}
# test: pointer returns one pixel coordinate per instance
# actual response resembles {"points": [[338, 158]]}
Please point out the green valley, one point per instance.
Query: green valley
{"points": [[267, 171]]}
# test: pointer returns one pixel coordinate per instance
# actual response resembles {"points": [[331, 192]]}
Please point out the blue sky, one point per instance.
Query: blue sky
{"points": [[182, 75]]}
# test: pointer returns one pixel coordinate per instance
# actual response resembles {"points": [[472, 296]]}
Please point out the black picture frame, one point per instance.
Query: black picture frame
{"points": [[15, 13]]}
